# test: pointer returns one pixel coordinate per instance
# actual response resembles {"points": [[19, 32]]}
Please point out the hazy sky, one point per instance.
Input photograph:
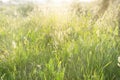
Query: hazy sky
{"points": [[59, 1], [54, 1], [5, 0]]}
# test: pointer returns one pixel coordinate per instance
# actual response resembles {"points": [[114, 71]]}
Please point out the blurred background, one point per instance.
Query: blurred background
{"points": [[59, 39]]}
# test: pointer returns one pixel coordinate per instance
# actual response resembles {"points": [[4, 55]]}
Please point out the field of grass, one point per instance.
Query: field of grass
{"points": [[58, 47]]}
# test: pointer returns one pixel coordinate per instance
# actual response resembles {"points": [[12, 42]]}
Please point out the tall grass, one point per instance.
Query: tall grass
{"points": [[64, 47]]}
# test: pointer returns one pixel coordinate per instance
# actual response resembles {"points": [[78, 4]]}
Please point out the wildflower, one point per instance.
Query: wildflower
{"points": [[118, 64], [119, 59], [39, 66]]}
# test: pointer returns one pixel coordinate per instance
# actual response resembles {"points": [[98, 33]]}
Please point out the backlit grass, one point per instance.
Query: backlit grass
{"points": [[57, 47]]}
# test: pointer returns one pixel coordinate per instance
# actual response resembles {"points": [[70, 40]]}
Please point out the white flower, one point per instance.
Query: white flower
{"points": [[39, 66], [118, 64], [14, 44], [119, 59]]}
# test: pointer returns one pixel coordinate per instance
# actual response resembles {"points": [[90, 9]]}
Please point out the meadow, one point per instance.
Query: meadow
{"points": [[58, 47]]}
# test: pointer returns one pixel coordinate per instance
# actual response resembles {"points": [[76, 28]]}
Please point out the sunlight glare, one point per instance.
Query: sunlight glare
{"points": [[86, 0], [5, 1], [63, 1]]}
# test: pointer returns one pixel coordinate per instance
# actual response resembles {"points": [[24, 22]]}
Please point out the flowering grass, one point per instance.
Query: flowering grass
{"points": [[58, 47]]}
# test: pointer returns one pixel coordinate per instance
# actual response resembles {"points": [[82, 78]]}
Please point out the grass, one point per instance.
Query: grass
{"points": [[57, 48]]}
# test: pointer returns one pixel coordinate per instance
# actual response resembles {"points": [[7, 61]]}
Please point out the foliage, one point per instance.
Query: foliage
{"points": [[52, 47], [25, 9], [76, 8]]}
